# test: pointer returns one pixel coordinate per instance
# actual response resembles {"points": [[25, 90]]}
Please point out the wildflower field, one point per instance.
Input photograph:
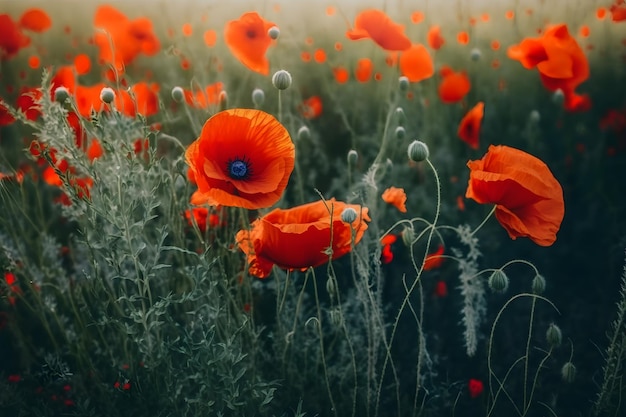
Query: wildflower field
{"points": [[312, 208]]}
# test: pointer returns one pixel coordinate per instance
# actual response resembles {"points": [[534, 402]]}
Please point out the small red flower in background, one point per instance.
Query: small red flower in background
{"points": [[14, 378], [386, 255], [203, 216], [311, 108], [475, 387], [441, 289], [248, 41], [14, 288], [396, 197], [469, 128]]}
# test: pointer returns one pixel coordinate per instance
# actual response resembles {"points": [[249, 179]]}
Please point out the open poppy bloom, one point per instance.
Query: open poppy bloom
{"points": [[248, 40], [469, 128], [529, 200], [121, 40], [299, 238], [379, 27], [561, 63], [243, 158], [396, 197]]}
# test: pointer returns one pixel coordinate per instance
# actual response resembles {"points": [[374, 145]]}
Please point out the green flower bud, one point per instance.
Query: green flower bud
{"points": [[475, 54], [107, 95], [281, 80], [349, 215], [273, 32], [498, 281], [558, 97], [61, 94], [568, 372], [553, 335], [418, 151], [408, 236], [403, 83], [353, 157], [400, 132], [400, 115], [258, 97], [178, 94], [304, 133], [538, 285]]}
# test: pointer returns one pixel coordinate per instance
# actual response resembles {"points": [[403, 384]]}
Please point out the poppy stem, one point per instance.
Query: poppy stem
{"points": [[493, 209]]}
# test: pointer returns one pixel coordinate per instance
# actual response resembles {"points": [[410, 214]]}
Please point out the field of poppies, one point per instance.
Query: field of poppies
{"points": [[299, 208]]}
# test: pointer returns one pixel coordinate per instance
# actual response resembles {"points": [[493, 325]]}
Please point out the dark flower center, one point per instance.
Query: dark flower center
{"points": [[239, 169], [251, 33]]}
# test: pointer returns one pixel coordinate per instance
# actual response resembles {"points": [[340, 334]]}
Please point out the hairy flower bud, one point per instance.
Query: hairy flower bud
{"points": [[258, 97], [281, 79], [538, 285], [107, 95], [498, 281], [61, 94], [273, 32], [403, 83], [353, 157], [400, 132], [418, 151], [349, 215], [178, 94], [553, 335], [568, 372], [304, 133]]}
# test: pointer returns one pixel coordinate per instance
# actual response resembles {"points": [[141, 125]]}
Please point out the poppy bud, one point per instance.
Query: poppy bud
{"points": [[400, 132], [353, 157], [475, 54], [330, 285], [498, 281], [400, 114], [403, 83], [223, 100], [553, 335], [538, 285], [408, 236], [304, 133], [568, 372], [178, 94], [61, 94], [418, 151], [258, 97], [558, 97], [273, 32], [348, 215], [534, 117], [281, 80], [107, 95]]}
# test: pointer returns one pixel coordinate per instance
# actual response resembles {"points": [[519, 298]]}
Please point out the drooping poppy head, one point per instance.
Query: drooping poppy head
{"points": [[529, 200], [469, 128], [299, 238], [379, 27], [248, 40], [243, 158]]}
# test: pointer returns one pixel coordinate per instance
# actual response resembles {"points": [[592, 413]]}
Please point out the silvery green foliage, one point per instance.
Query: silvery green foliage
{"points": [[472, 289]]}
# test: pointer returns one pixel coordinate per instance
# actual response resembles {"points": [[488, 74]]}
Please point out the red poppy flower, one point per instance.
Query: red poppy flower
{"points": [[561, 62], [454, 85], [311, 108], [248, 40], [435, 40], [11, 37], [529, 200], [416, 63], [396, 197], [298, 238], [475, 387], [121, 40], [35, 20], [469, 128], [204, 98], [379, 27], [242, 158], [386, 255]]}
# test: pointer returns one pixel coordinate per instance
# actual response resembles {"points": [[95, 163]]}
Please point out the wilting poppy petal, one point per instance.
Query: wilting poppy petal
{"points": [[529, 200], [298, 238], [396, 197], [416, 63], [469, 128], [377, 26], [248, 40], [242, 158]]}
